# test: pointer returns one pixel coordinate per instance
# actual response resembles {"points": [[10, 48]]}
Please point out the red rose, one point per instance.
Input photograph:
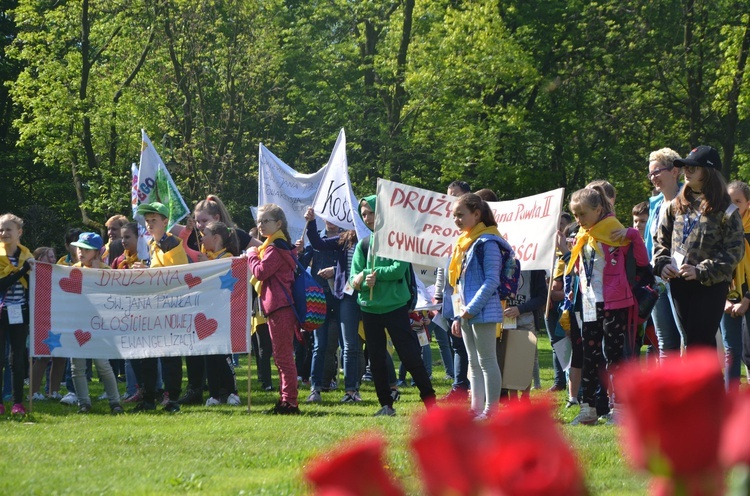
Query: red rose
{"points": [[446, 443], [527, 455], [672, 415], [735, 443], [355, 470]]}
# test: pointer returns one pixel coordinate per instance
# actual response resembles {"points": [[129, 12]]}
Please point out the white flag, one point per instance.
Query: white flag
{"points": [[335, 201], [155, 184], [143, 235], [292, 191]]}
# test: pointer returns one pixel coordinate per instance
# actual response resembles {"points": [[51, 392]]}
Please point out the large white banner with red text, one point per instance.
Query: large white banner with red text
{"points": [[416, 225], [193, 309]]}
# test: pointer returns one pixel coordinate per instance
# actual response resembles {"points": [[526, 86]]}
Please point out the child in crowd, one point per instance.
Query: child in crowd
{"points": [[342, 246], [165, 250], [272, 267], [209, 210], [383, 286], [14, 316], [56, 364], [114, 248], [607, 300], [89, 256], [70, 258], [738, 299], [640, 217], [129, 257], [220, 242], [698, 245], [472, 297]]}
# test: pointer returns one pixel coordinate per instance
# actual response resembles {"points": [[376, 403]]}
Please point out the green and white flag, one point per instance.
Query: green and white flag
{"points": [[155, 184]]}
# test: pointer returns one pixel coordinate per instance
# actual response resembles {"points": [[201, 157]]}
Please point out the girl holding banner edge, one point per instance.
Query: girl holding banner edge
{"points": [[472, 297], [383, 297]]}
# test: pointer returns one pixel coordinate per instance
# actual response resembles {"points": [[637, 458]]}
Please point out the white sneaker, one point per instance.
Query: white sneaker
{"points": [[314, 397], [69, 399], [212, 402], [587, 415], [234, 400], [55, 396], [38, 397]]}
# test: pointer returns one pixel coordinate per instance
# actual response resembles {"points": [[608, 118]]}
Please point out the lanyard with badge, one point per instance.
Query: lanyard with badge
{"points": [[678, 257], [588, 295]]}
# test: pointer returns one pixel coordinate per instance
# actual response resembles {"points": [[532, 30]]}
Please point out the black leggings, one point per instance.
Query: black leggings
{"points": [[603, 349], [699, 310], [15, 334], [407, 346]]}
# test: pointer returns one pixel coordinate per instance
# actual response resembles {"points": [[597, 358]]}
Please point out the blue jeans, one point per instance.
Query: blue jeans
{"points": [[321, 343], [665, 324], [551, 323], [349, 316], [731, 332], [460, 363], [441, 336]]}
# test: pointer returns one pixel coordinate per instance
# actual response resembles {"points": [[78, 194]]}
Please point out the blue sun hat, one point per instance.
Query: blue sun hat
{"points": [[89, 241]]}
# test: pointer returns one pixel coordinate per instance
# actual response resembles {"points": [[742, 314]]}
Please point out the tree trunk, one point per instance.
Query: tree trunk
{"points": [[732, 117]]}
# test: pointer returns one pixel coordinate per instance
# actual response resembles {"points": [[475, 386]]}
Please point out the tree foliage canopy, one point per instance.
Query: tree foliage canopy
{"points": [[516, 96]]}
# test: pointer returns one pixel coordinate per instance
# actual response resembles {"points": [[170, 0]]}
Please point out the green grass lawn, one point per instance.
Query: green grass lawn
{"points": [[226, 450]]}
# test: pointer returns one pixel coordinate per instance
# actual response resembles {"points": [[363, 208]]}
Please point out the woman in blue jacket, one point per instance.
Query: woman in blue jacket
{"points": [[472, 297]]}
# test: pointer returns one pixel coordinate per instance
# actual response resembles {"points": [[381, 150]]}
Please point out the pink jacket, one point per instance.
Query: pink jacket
{"points": [[276, 270], [615, 286]]}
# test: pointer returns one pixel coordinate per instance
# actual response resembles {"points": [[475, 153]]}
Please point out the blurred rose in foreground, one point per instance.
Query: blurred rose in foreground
{"points": [[672, 421], [356, 469], [528, 455]]}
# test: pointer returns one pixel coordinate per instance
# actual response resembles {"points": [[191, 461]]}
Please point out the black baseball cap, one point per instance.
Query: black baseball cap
{"points": [[701, 156]]}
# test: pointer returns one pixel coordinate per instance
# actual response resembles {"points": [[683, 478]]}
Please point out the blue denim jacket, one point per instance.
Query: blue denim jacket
{"points": [[480, 279]]}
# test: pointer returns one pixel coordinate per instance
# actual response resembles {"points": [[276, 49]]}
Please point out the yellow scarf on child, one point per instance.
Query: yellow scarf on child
{"points": [[742, 272], [463, 243], [601, 232], [262, 252], [7, 268], [213, 255], [128, 261]]}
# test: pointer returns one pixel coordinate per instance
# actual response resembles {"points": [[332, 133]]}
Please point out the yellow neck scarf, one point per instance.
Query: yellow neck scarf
{"points": [[7, 268], [262, 252], [213, 255], [601, 232], [463, 243], [742, 272], [129, 260]]}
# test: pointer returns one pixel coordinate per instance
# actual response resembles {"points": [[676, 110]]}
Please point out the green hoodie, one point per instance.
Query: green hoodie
{"points": [[391, 290]]}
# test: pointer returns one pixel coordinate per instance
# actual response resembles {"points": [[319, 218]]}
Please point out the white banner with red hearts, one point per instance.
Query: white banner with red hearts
{"points": [[194, 309]]}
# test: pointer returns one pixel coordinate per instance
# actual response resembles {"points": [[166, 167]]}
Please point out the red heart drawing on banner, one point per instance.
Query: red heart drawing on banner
{"points": [[204, 327], [82, 337], [192, 280], [72, 284]]}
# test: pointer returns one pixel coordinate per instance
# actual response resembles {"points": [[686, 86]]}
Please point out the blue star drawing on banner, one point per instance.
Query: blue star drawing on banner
{"points": [[228, 281], [53, 341]]}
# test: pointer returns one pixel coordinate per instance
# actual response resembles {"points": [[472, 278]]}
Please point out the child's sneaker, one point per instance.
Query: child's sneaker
{"points": [[136, 397], [587, 416], [234, 400], [116, 409], [351, 397], [55, 395], [212, 402], [314, 397], [386, 411], [84, 408], [38, 397], [69, 399], [102, 396]]}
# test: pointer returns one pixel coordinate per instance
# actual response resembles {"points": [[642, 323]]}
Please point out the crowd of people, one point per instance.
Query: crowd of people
{"points": [[692, 235]]}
